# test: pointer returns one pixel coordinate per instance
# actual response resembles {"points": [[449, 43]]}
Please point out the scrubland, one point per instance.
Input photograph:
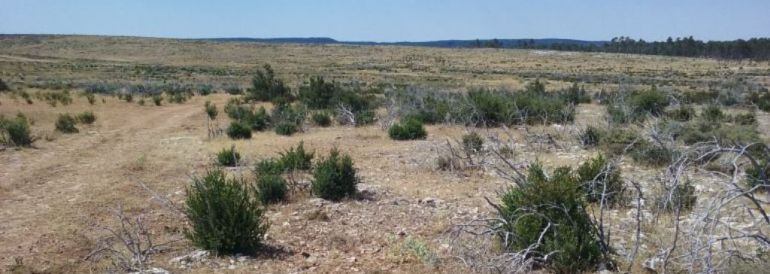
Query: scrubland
{"points": [[127, 154]]}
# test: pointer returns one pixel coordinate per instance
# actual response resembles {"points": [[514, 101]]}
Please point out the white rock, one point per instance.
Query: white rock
{"points": [[194, 257], [152, 270]]}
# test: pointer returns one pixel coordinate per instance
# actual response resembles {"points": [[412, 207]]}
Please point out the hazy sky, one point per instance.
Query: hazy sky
{"points": [[395, 20]]}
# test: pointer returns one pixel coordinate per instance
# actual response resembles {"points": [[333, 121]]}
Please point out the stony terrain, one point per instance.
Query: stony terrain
{"points": [[55, 196]]}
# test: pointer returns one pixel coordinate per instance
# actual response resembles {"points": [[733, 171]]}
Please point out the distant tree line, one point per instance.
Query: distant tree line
{"points": [[754, 48]]}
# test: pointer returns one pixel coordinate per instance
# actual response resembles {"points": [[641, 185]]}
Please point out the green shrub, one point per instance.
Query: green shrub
{"points": [[334, 177], [233, 90], [271, 189], [411, 129], [296, 158], [550, 210], [4, 86], [681, 196], [286, 128], [204, 89], [86, 117], [157, 99], [228, 157], [591, 136], [265, 87], [724, 134], [319, 94], [683, 113], [713, 113], [575, 95], [759, 176], [289, 114], [493, 108], [66, 124], [223, 214], [211, 110], [618, 140], [322, 119], [15, 131], [239, 130], [649, 101], [635, 106], [653, 154], [486, 107], [236, 110], [141, 102], [259, 120], [473, 143], [597, 176], [365, 117], [268, 167]]}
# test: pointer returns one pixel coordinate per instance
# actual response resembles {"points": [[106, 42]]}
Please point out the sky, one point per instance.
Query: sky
{"points": [[394, 20]]}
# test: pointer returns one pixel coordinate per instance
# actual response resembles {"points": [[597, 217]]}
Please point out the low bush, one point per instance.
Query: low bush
{"points": [[322, 119], [651, 101], [683, 113], [528, 107], [233, 89], [16, 131], [620, 140], [681, 196], [259, 120], [4, 86], [204, 89], [141, 102], [713, 113], [481, 107], [268, 167], [591, 136], [289, 114], [724, 134], [266, 87], [211, 110], [228, 157], [157, 99], [548, 214], [601, 179], [334, 177], [575, 95], [236, 109], [86, 117], [286, 128], [223, 214], [473, 143], [91, 98], [759, 176], [635, 106], [410, 129], [296, 158], [66, 124], [128, 97], [271, 189], [654, 155], [319, 94], [53, 98], [239, 130]]}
